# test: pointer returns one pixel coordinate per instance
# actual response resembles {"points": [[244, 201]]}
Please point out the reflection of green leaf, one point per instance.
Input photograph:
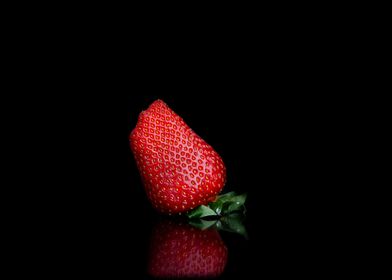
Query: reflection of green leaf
{"points": [[202, 224], [200, 212], [232, 223]]}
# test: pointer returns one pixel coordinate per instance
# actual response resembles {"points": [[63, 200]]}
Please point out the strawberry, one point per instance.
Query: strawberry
{"points": [[180, 250], [180, 171]]}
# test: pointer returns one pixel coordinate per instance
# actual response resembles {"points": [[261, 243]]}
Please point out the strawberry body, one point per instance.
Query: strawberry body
{"points": [[180, 250], [180, 171]]}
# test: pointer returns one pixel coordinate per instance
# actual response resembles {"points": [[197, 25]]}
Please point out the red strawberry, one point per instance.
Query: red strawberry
{"points": [[180, 250], [179, 169]]}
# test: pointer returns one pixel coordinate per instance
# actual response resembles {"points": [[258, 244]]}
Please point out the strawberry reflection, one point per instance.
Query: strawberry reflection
{"points": [[180, 250]]}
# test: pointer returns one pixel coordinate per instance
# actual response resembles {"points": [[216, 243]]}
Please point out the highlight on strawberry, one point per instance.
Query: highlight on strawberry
{"points": [[181, 173]]}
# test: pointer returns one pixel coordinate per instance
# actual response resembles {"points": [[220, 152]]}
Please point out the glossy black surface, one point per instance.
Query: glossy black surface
{"points": [[269, 100], [269, 147]]}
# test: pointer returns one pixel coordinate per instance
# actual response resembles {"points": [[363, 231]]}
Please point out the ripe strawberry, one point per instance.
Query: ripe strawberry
{"points": [[180, 250], [179, 169]]}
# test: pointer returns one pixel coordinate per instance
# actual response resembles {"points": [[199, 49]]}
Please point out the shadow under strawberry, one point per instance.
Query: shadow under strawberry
{"points": [[191, 248], [179, 250]]}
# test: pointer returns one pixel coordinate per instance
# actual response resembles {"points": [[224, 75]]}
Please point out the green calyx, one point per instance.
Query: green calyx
{"points": [[224, 204]]}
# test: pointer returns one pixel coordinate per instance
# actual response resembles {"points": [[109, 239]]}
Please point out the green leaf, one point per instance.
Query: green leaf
{"points": [[228, 203], [200, 212], [236, 203], [216, 206], [233, 204], [227, 196], [223, 205]]}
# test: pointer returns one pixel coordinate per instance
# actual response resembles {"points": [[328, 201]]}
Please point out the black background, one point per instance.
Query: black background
{"points": [[274, 92], [266, 109]]}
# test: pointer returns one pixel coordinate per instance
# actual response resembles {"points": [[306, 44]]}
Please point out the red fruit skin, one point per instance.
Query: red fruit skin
{"points": [[180, 171], [182, 251]]}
